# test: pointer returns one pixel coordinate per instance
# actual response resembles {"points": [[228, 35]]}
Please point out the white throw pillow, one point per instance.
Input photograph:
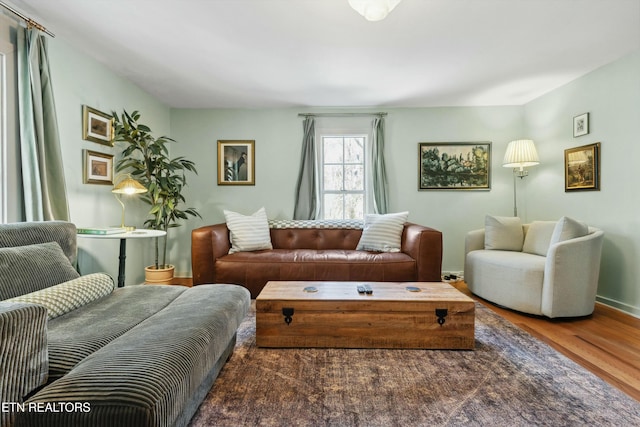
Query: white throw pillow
{"points": [[538, 236], [503, 233], [382, 233], [568, 228], [248, 232]]}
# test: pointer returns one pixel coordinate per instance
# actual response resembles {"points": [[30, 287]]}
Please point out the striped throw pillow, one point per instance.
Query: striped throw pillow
{"points": [[382, 233], [30, 268], [248, 232]]}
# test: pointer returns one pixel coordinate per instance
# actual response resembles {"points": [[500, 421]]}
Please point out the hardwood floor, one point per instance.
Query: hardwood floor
{"points": [[606, 343]]}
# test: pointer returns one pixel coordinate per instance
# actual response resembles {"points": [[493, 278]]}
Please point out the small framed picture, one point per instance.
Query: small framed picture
{"points": [[454, 166], [236, 162], [98, 168], [581, 125], [582, 168], [97, 126]]}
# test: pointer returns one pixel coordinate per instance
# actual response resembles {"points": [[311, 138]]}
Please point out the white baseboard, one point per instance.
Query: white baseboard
{"points": [[628, 309]]}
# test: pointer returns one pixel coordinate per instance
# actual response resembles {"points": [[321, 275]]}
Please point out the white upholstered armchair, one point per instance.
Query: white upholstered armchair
{"points": [[548, 268]]}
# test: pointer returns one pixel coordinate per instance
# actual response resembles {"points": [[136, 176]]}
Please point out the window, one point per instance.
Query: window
{"points": [[343, 171]]}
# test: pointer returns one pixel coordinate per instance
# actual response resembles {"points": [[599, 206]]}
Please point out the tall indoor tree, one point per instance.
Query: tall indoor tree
{"points": [[147, 159]]}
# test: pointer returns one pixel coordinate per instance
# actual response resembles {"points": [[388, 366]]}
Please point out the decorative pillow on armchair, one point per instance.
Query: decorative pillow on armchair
{"points": [[382, 233], [538, 237], [568, 228], [248, 232], [503, 233]]}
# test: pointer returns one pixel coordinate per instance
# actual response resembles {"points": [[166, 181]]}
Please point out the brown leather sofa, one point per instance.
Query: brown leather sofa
{"points": [[314, 254]]}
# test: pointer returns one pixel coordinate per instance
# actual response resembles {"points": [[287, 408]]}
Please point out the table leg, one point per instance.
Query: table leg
{"points": [[123, 256]]}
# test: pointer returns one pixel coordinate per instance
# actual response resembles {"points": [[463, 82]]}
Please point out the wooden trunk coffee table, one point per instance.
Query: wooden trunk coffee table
{"points": [[426, 315]]}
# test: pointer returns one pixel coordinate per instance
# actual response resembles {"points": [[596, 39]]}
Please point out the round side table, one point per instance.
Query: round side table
{"points": [[135, 234]]}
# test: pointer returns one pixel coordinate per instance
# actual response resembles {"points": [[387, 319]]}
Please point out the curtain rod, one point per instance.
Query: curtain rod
{"points": [[341, 114], [30, 22]]}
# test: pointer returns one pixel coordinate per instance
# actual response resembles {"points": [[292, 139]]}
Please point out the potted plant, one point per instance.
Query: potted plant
{"points": [[147, 160]]}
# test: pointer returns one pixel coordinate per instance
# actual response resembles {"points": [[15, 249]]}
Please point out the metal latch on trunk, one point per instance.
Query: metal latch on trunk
{"points": [[288, 315], [441, 313]]}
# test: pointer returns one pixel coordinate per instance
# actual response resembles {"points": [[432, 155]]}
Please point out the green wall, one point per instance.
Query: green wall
{"points": [[79, 80], [278, 135], [610, 94]]}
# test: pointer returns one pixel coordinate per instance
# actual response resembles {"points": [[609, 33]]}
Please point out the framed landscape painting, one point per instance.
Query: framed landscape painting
{"points": [[98, 168], [582, 168], [454, 166], [236, 162], [97, 126]]}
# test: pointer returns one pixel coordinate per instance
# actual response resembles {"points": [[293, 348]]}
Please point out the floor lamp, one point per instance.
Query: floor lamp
{"points": [[520, 154]]}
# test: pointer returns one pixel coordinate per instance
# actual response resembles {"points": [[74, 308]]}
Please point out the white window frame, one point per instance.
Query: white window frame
{"points": [[365, 169], [348, 126]]}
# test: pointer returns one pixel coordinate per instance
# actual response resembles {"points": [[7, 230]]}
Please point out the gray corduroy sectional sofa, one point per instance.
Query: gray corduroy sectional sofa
{"points": [[75, 350]]}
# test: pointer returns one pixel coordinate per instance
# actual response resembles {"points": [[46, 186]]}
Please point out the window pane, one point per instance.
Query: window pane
{"points": [[333, 206], [343, 172], [332, 150], [354, 150], [353, 178], [353, 206], [333, 176]]}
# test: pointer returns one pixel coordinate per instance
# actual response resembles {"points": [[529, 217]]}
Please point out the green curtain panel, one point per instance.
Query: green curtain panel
{"points": [[307, 193], [378, 169], [44, 189]]}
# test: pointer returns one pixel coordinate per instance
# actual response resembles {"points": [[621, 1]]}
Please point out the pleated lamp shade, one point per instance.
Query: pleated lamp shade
{"points": [[520, 153]]}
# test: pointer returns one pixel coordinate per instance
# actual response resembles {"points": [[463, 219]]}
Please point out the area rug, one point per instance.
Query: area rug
{"points": [[510, 379]]}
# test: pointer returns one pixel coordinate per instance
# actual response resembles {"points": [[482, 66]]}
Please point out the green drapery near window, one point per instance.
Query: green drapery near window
{"points": [[44, 189], [307, 192], [307, 203], [378, 169]]}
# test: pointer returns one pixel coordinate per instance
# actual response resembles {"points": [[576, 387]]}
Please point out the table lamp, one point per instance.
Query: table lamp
{"points": [[126, 185]]}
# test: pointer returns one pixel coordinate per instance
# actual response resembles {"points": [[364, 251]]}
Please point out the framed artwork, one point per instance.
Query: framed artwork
{"points": [[236, 162], [581, 125], [97, 126], [582, 168], [98, 168], [454, 166]]}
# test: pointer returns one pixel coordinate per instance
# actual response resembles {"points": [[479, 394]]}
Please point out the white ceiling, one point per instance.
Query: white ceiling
{"points": [[321, 53]]}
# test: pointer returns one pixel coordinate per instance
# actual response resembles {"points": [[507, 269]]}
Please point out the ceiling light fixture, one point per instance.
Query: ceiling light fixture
{"points": [[374, 10]]}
